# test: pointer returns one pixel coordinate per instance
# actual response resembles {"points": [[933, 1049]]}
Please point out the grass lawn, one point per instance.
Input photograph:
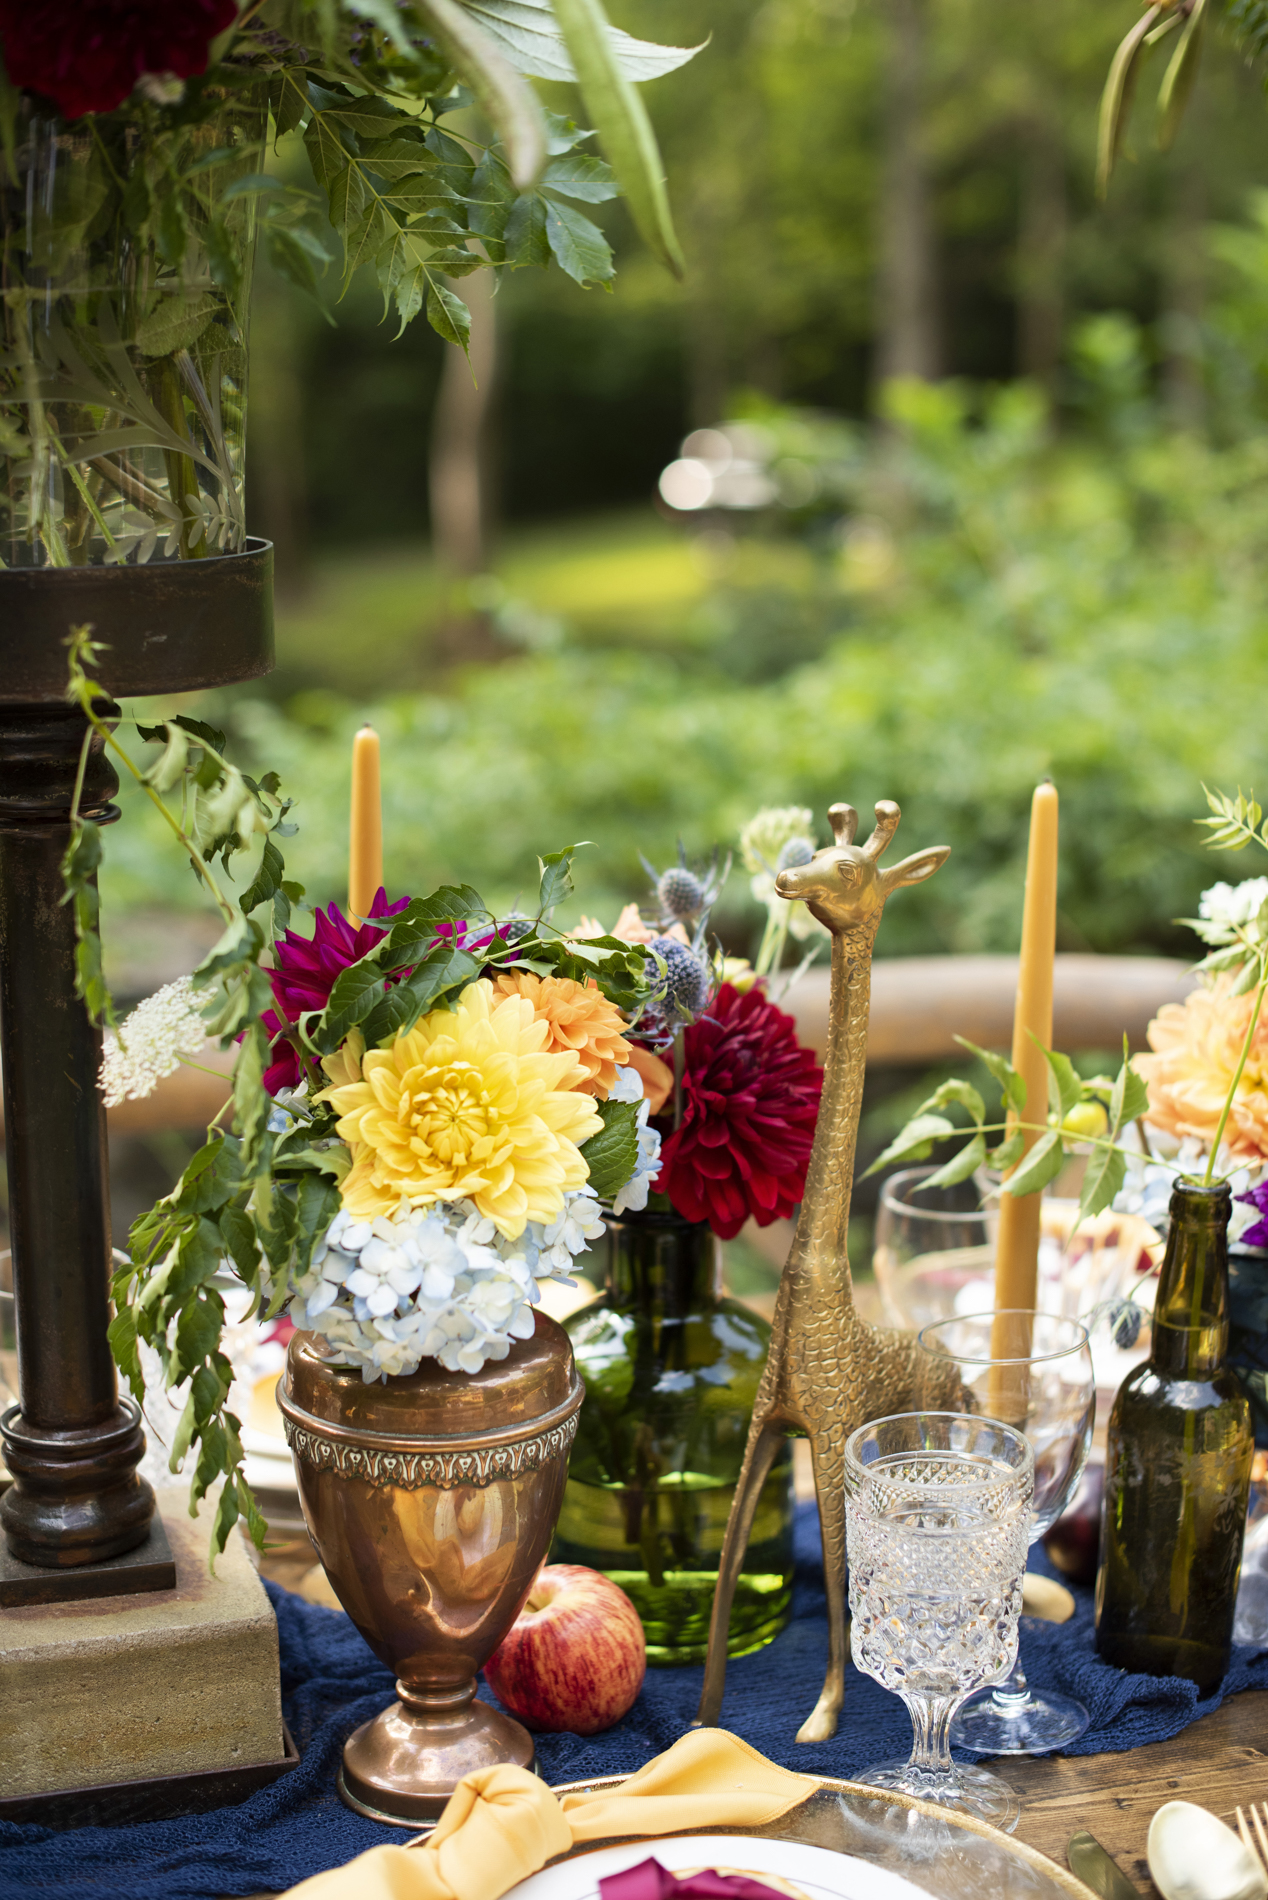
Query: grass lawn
{"points": [[366, 622]]}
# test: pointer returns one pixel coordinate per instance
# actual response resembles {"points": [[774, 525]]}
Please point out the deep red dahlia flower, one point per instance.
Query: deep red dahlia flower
{"points": [[750, 1100], [87, 55], [304, 972]]}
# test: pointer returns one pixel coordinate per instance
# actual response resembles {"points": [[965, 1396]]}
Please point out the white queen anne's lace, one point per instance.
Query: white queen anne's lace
{"points": [[150, 1043], [1224, 906]]}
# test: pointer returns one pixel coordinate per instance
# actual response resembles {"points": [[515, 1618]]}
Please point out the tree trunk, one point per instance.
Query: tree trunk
{"points": [[460, 512], [907, 344], [277, 493], [708, 379], [1041, 239], [1184, 291], [459, 488]]}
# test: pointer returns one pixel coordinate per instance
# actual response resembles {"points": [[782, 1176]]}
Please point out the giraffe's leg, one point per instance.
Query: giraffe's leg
{"points": [[827, 1454], [764, 1439]]}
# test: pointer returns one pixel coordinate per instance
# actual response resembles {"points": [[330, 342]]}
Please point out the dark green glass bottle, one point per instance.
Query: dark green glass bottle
{"points": [[1177, 1471], [671, 1369]]}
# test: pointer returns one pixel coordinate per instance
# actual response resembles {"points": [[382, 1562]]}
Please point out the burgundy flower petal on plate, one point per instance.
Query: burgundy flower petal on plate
{"points": [[650, 1881]]}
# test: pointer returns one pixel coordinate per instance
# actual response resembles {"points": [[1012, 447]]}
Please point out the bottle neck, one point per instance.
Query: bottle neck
{"points": [[663, 1264], [1190, 1329]]}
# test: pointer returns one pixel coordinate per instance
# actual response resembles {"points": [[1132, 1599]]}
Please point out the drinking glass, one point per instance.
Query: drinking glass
{"points": [[1033, 1370], [937, 1524], [930, 1244]]}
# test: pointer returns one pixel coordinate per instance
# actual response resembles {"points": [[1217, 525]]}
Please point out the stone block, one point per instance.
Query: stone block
{"points": [[128, 1688]]}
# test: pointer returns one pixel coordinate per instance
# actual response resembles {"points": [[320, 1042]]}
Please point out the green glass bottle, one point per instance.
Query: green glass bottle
{"points": [[671, 1369], [1177, 1472]]}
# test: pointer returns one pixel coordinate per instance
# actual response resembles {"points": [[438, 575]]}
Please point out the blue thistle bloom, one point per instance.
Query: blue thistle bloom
{"points": [[796, 851], [681, 892], [686, 980], [1124, 1324]]}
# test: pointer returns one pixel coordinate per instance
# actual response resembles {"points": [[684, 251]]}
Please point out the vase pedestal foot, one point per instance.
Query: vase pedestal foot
{"points": [[403, 1766]]}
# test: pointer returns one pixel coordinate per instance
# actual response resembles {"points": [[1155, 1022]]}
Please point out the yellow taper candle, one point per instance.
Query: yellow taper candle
{"points": [[1017, 1250], [365, 855]]}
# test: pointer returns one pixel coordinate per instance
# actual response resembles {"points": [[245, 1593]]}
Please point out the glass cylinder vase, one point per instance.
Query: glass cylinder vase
{"points": [[671, 1368], [127, 251]]}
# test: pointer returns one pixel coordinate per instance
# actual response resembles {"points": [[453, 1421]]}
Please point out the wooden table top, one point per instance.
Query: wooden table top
{"points": [[1220, 1762]]}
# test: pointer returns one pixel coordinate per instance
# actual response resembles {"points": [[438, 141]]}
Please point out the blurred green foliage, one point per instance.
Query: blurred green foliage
{"points": [[774, 146], [943, 611]]}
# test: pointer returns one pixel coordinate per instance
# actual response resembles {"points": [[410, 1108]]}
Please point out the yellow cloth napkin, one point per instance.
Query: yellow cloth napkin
{"points": [[502, 1824]]}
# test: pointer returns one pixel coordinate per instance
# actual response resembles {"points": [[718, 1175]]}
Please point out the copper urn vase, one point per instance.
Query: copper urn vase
{"points": [[431, 1500]]}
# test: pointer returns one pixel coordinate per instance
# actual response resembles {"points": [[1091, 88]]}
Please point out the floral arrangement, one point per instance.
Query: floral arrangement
{"points": [[432, 1108], [1195, 1107], [134, 142]]}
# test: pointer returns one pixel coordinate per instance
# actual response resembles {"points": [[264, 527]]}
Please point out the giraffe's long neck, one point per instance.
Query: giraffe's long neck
{"points": [[819, 1252]]}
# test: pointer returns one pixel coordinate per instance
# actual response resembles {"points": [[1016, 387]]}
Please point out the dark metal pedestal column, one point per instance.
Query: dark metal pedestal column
{"points": [[78, 1520], [73, 1447]]}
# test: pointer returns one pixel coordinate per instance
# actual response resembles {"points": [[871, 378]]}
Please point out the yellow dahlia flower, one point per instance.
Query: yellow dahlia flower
{"points": [[580, 1019], [1196, 1045], [470, 1104]]}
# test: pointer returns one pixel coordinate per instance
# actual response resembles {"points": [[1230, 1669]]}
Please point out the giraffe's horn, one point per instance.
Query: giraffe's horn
{"points": [[887, 817], [844, 821]]}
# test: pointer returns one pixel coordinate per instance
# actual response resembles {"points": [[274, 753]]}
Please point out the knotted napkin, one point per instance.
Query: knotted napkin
{"points": [[502, 1824]]}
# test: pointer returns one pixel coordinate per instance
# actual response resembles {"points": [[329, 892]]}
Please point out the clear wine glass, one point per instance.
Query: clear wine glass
{"points": [[930, 1244], [938, 1511], [1034, 1371]]}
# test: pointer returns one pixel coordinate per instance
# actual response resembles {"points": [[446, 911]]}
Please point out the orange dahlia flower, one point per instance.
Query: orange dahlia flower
{"points": [[1195, 1047], [581, 1020]]}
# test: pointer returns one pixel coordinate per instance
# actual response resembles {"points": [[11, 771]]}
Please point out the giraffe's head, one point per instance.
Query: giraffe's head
{"points": [[843, 885]]}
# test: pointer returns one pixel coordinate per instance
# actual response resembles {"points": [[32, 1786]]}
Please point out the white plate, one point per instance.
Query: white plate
{"points": [[820, 1873]]}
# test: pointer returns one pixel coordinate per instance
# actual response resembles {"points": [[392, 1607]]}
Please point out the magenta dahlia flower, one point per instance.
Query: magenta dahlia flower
{"points": [[750, 1101], [304, 972], [87, 55]]}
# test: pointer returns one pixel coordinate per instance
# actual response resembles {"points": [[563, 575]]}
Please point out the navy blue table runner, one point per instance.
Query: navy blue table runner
{"points": [[331, 1682]]}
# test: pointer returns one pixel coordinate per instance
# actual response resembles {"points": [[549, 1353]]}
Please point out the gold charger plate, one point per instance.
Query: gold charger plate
{"points": [[950, 1857]]}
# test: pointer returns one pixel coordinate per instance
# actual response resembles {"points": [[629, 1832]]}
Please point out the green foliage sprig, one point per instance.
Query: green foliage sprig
{"points": [[165, 1296], [1115, 1104], [1184, 24], [1233, 824]]}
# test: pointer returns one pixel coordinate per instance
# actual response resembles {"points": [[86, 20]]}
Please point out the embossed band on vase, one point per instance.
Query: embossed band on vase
{"points": [[445, 1463]]}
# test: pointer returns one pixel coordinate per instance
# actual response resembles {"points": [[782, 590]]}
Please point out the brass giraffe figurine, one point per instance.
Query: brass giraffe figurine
{"points": [[828, 1371]]}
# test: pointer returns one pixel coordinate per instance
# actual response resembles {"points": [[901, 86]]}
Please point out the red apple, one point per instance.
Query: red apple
{"points": [[574, 1658]]}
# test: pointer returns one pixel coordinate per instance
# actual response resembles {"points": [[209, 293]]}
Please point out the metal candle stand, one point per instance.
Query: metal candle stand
{"points": [[78, 1520]]}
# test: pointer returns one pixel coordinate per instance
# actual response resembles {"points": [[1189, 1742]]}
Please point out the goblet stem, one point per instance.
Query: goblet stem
{"points": [[1014, 1690], [931, 1746]]}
